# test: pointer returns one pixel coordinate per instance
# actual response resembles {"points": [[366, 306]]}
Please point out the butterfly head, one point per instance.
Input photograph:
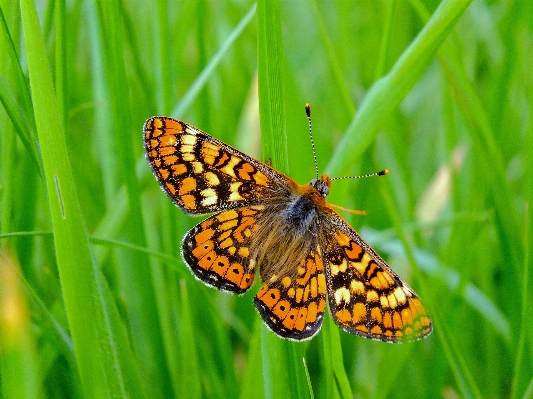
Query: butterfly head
{"points": [[322, 185]]}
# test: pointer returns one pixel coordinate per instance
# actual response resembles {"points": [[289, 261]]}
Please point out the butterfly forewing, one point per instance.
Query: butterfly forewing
{"points": [[200, 173], [366, 297]]}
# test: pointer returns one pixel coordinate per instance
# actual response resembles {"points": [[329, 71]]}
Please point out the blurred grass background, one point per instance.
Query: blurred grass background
{"points": [[94, 297]]}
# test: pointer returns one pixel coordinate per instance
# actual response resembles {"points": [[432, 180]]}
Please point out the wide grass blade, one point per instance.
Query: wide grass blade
{"points": [[283, 373], [385, 95], [93, 321]]}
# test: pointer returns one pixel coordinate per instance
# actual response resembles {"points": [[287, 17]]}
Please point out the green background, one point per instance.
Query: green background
{"points": [[95, 300]]}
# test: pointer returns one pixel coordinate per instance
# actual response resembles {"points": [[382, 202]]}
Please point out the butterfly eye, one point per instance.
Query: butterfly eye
{"points": [[321, 185]]}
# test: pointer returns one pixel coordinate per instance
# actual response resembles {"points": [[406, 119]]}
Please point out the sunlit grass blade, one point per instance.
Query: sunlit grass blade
{"points": [[385, 95], [99, 346], [282, 370]]}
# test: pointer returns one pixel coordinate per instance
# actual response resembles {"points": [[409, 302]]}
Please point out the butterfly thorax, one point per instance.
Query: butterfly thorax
{"points": [[303, 209]]}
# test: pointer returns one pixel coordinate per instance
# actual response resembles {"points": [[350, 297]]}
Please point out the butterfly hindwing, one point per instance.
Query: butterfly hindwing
{"points": [[293, 306], [217, 250]]}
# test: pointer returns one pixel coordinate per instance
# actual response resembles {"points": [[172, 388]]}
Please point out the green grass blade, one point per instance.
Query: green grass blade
{"points": [[271, 90], [23, 126], [8, 47], [249, 386], [326, 357], [385, 95], [341, 379], [335, 64], [19, 108], [385, 40], [60, 56], [135, 276], [525, 310], [338, 382], [201, 80], [484, 138], [458, 364], [528, 394], [308, 377], [283, 374], [92, 320], [190, 375]]}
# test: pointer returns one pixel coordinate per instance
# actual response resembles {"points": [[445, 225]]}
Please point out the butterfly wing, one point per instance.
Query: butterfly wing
{"points": [[218, 250], [293, 306], [202, 174], [366, 297]]}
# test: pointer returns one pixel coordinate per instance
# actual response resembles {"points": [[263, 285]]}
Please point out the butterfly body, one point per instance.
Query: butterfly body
{"points": [[306, 253], [304, 208]]}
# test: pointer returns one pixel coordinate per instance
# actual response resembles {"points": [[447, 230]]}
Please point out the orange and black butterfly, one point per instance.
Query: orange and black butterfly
{"points": [[306, 253]]}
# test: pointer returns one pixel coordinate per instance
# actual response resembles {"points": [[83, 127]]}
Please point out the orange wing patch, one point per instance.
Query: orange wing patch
{"points": [[217, 250], [366, 297], [294, 307]]}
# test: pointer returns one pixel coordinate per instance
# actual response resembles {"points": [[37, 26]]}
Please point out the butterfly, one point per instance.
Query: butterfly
{"points": [[308, 256]]}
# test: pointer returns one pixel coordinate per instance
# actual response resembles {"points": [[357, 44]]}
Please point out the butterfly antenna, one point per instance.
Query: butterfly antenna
{"points": [[308, 112], [380, 173]]}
